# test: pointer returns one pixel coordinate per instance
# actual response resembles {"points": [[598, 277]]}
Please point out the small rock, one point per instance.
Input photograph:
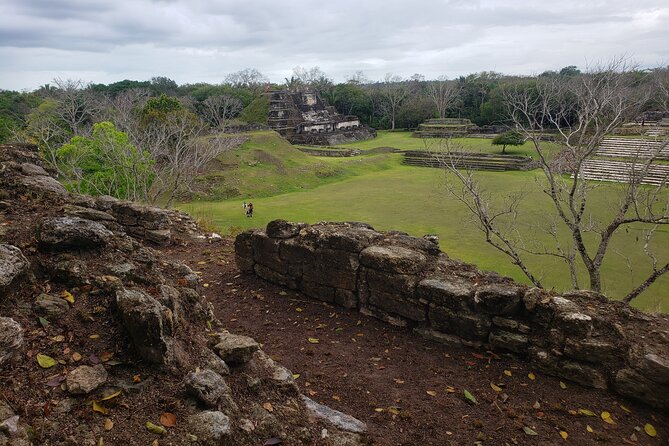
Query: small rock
{"points": [[338, 419], [235, 349], [11, 339], [13, 265], [84, 379], [32, 170], [212, 428], [50, 306], [210, 388]]}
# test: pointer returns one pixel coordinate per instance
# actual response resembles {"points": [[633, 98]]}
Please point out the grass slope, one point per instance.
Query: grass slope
{"points": [[379, 190]]}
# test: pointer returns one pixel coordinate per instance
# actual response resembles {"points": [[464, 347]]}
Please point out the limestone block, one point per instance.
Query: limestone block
{"points": [[398, 284], [244, 244], [574, 324], [468, 326], [13, 265], [72, 232], [592, 350], [212, 428], [149, 324], [393, 259], [283, 229], [273, 276], [211, 389], [498, 298], [296, 251], [33, 170], [412, 309], [318, 291], [158, 236], [234, 349], [351, 236], [346, 298], [43, 184], [632, 384], [87, 213], [507, 340], [453, 293], [331, 277], [334, 417], [11, 339]]}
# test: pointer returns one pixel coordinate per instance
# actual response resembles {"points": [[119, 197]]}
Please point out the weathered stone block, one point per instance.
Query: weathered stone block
{"points": [[84, 379], [283, 229], [353, 237], [11, 339], [507, 340], [399, 284], [575, 324], [245, 264], [234, 349], [13, 265], [274, 277], [50, 306], [296, 251], [592, 350], [393, 259], [632, 384], [498, 298], [324, 258], [469, 326], [244, 244], [346, 298], [412, 309], [331, 277], [72, 232], [453, 293], [437, 336], [318, 291]]}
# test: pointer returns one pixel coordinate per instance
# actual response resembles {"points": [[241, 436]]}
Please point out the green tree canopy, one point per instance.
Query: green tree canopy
{"points": [[510, 138]]}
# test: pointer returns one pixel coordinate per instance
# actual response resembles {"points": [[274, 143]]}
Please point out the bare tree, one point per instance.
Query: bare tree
{"points": [[218, 109], [393, 92], [247, 78], [583, 110], [443, 93], [77, 104]]}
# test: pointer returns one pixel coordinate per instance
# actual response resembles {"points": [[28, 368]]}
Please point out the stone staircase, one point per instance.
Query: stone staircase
{"points": [[474, 161], [623, 172], [634, 148]]}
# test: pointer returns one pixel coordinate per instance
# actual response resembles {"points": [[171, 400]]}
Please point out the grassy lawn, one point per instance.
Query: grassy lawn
{"points": [[392, 196], [404, 141]]}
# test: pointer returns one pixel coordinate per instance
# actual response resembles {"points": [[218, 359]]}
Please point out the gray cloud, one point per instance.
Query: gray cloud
{"points": [[199, 40]]}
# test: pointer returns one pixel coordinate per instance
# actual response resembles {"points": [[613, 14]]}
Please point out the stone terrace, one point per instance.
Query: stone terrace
{"points": [[408, 281]]}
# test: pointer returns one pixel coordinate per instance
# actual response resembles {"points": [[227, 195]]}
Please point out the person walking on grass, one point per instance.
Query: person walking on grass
{"points": [[249, 210]]}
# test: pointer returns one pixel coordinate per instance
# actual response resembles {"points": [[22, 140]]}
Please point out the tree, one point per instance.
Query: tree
{"points": [[443, 93], [77, 104], [582, 109], [393, 92], [248, 78], [218, 109], [510, 138], [106, 163]]}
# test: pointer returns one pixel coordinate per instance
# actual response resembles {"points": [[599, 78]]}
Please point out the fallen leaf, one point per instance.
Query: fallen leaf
{"points": [[650, 430], [507, 372], [379, 409], [470, 397], [563, 385], [313, 340], [59, 338], [268, 407], [94, 336], [586, 412], [155, 443], [607, 418], [564, 435], [431, 393], [588, 428], [168, 419], [496, 388], [101, 442], [625, 408], [67, 296], [296, 375], [336, 397], [450, 389], [43, 322], [109, 424], [154, 428], [529, 431], [55, 381], [97, 407], [531, 376], [299, 309], [136, 378], [394, 410], [111, 396], [106, 356], [76, 357], [45, 361]]}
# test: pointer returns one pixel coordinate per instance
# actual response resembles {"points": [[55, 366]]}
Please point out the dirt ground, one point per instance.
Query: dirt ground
{"points": [[411, 391]]}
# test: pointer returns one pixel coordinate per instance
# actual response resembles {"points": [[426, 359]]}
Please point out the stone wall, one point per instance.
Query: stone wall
{"points": [[407, 281]]}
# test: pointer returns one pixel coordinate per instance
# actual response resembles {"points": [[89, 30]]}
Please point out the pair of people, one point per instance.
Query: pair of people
{"points": [[249, 209]]}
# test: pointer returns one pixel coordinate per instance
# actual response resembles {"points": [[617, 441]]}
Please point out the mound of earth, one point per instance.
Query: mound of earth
{"points": [[104, 339]]}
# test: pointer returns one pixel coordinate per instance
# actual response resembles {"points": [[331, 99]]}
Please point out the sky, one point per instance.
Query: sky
{"points": [[194, 41]]}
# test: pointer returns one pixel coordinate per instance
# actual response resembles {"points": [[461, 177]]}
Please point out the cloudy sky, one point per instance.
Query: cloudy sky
{"points": [[202, 41]]}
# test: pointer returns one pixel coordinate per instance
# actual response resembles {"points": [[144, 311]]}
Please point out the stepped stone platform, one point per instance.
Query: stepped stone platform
{"points": [[445, 128], [335, 152], [303, 118], [407, 281], [622, 172], [633, 148], [474, 161]]}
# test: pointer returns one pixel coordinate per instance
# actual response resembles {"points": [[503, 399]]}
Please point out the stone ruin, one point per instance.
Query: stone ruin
{"points": [[407, 281], [151, 318], [303, 118]]}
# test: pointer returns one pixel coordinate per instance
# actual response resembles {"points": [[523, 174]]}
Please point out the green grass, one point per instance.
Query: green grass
{"points": [[393, 196], [404, 141]]}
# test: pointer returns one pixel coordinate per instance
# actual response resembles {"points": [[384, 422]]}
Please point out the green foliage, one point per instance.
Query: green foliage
{"points": [[14, 110], [414, 112], [119, 87], [106, 163], [257, 111], [510, 138], [157, 109]]}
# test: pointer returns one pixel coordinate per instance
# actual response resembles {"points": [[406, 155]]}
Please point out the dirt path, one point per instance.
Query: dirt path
{"points": [[408, 390]]}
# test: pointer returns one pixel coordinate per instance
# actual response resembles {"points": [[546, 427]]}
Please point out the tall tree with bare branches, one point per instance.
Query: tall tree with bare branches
{"points": [[443, 93], [582, 110]]}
